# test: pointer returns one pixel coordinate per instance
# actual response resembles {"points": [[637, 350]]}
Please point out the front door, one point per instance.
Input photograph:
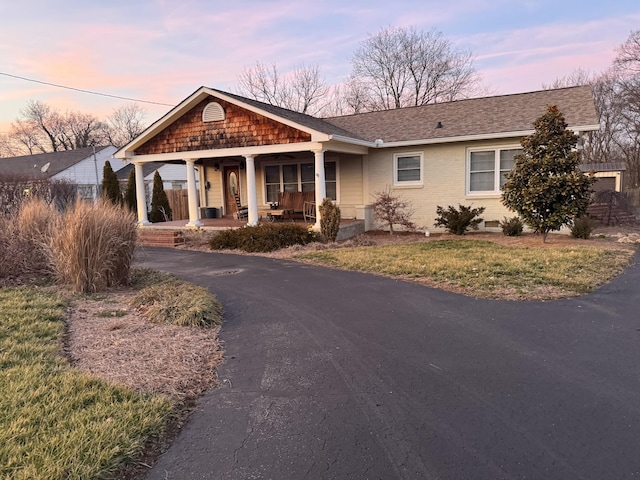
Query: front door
{"points": [[231, 189]]}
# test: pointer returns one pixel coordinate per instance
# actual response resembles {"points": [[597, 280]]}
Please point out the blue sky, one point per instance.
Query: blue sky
{"points": [[164, 50]]}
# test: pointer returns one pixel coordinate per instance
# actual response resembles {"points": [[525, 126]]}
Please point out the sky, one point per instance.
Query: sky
{"points": [[163, 50]]}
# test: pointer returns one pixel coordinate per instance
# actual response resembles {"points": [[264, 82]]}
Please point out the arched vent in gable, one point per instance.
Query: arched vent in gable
{"points": [[213, 112]]}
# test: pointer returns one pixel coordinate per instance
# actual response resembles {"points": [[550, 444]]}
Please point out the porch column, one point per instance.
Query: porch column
{"points": [[252, 196], [192, 193], [141, 197], [321, 186]]}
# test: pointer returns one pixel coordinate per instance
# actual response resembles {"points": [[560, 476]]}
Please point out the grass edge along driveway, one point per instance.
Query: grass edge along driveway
{"points": [[55, 421], [485, 269]]}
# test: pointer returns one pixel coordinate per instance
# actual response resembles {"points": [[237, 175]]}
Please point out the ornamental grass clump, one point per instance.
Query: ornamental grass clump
{"points": [[92, 246]]}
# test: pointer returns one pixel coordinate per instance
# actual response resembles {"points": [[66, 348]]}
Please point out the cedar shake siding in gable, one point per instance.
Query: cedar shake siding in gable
{"points": [[240, 128]]}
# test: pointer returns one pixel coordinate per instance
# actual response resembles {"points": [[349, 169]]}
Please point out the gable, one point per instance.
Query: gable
{"points": [[239, 128]]}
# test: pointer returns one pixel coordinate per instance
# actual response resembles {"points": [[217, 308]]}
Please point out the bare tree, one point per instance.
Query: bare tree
{"points": [[28, 136], [628, 58], [403, 67], [124, 124], [302, 90]]}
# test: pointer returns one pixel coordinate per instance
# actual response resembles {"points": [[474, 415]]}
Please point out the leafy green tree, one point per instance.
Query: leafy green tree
{"points": [[546, 187], [110, 185], [160, 209], [130, 199]]}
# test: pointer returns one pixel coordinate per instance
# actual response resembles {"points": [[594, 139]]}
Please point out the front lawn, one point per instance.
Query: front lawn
{"points": [[55, 421], [485, 269]]}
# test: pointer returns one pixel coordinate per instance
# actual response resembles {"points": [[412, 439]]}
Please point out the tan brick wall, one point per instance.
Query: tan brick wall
{"points": [[444, 178]]}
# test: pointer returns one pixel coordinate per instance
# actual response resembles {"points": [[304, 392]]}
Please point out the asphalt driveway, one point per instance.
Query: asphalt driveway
{"points": [[342, 375]]}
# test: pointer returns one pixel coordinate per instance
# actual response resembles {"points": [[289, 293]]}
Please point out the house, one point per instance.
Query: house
{"points": [[82, 167], [440, 154]]}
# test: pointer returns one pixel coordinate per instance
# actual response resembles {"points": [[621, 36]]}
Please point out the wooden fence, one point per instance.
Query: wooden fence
{"points": [[179, 203]]}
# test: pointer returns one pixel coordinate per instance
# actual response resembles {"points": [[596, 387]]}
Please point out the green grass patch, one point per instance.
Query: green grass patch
{"points": [[485, 268], [164, 298], [57, 422]]}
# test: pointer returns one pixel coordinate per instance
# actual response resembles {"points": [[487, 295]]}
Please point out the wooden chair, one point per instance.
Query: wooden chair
{"points": [[241, 211], [309, 211]]}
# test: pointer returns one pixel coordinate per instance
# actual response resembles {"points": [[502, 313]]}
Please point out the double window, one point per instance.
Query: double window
{"points": [[487, 168], [297, 177], [407, 169]]}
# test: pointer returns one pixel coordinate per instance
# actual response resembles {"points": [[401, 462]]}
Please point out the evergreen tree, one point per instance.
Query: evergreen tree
{"points": [[110, 185], [546, 187], [160, 209], [130, 199]]}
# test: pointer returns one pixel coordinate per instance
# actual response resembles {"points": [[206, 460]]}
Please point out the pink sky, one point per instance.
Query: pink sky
{"points": [[161, 51]]}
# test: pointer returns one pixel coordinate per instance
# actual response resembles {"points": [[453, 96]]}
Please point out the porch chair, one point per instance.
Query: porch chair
{"points": [[241, 211], [309, 211]]}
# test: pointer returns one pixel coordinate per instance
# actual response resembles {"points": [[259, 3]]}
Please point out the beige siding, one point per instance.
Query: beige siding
{"points": [[444, 181], [349, 184]]}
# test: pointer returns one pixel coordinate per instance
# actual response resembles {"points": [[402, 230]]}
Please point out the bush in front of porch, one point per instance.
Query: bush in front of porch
{"points": [[263, 238]]}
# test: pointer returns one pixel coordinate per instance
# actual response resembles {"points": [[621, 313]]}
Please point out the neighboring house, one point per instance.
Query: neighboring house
{"points": [[82, 167], [441, 154]]}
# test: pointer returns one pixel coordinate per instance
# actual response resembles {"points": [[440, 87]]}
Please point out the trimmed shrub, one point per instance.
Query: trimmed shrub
{"points": [[262, 238], [110, 185], [512, 227], [329, 220], [458, 221], [92, 246], [582, 227], [130, 199], [160, 209]]}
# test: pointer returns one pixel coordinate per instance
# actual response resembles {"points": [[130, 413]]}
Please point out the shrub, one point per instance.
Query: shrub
{"points": [[160, 209], [512, 227], [392, 210], [262, 238], [92, 246], [329, 220], [582, 227], [130, 199], [458, 221], [110, 185]]}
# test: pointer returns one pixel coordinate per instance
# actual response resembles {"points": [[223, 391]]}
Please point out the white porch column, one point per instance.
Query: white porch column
{"points": [[141, 197], [252, 196], [192, 193], [321, 186]]}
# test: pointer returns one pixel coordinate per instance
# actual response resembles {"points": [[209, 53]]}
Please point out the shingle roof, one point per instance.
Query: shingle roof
{"points": [[315, 123], [31, 165], [147, 168], [477, 116], [603, 167]]}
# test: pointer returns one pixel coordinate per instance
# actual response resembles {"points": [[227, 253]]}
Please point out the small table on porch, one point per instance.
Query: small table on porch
{"points": [[275, 214]]}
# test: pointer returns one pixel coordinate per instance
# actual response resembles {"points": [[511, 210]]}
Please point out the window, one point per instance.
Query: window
{"points": [[487, 169], [297, 177], [407, 169]]}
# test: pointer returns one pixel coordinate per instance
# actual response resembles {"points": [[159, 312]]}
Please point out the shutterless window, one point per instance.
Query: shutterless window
{"points": [[488, 168], [296, 177], [408, 168]]}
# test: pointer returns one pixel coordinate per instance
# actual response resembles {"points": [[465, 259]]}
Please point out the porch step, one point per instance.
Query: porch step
{"points": [[160, 238]]}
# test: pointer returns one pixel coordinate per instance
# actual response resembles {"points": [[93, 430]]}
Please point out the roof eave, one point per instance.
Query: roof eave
{"points": [[469, 138]]}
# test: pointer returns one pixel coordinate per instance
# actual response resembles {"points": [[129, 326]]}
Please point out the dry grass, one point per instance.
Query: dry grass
{"points": [[486, 269], [92, 246]]}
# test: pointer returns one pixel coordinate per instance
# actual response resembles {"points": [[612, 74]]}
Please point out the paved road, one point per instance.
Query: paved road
{"points": [[342, 375]]}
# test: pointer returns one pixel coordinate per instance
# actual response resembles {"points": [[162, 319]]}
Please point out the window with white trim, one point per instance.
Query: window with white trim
{"points": [[297, 177], [407, 169], [487, 168]]}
